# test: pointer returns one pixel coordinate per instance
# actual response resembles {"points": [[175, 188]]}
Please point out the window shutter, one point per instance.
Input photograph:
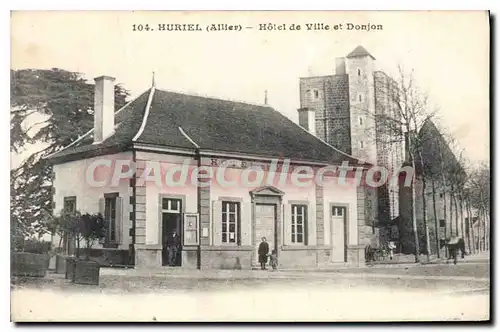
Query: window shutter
{"points": [[101, 211], [245, 224], [119, 220], [287, 224], [217, 222], [309, 239]]}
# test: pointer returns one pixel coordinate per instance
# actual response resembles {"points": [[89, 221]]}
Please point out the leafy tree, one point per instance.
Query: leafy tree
{"points": [[90, 228], [63, 99]]}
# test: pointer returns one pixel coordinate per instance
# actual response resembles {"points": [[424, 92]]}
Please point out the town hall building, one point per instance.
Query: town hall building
{"points": [[219, 226]]}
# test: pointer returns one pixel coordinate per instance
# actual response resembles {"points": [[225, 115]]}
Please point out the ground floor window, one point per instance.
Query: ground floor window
{"points": [[110, 215], [231, 216], [70, 204], [299, 223]]}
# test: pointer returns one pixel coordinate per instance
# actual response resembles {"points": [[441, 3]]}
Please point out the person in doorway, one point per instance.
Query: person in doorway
{"points": [[173, 249], [263, 252]]}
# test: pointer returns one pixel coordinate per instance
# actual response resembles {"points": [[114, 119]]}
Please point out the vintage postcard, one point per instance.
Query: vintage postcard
{"points": [[258, 166]]}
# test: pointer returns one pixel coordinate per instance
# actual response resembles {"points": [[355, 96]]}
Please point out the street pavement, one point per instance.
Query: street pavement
{"points": [[412, 293]]}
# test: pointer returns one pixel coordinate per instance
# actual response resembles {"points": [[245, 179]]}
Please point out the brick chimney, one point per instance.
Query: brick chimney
{"points": [[104, 108], [307, 119]]}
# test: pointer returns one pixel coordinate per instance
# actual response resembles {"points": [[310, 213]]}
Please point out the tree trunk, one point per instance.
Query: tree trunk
{"points": [[414, 210], [436, 221], [443, 174], [77, 246], [445, 214], [451, 211], [467, 228], [456, 214], [424, 209], [484, 230], [460, 205], [471, 225], [424, 216]]}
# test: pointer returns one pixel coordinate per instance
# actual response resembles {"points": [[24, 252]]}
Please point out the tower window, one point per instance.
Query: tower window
{"points": [[361, 144], [360, 97], [359, 72], [315, 94], [360, 120]]}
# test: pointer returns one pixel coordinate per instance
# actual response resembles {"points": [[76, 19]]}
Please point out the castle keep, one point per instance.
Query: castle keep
{"points": [[345, 110]]}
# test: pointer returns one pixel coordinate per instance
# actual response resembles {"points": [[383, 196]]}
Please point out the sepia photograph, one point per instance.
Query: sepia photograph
{"points": [[250, 166]]}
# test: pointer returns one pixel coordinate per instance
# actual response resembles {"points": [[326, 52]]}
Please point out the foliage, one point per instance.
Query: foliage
{"points": [[34, 246], [63, 100], [91, 228]]}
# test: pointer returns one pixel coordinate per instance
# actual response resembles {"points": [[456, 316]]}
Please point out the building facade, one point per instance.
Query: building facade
{"points": [[348, 110], [190, 141]]}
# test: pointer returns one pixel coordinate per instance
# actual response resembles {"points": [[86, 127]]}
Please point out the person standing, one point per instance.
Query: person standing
{"points": [[263, 252], [274, 260], [173, 248]]}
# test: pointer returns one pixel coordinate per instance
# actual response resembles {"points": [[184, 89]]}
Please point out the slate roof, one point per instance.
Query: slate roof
{"points": [[360, 51], [434, 149], [217, 125]]}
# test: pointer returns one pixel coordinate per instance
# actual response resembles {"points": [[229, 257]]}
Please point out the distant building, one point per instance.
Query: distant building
{"points": [[344, 109], [437, 156]]}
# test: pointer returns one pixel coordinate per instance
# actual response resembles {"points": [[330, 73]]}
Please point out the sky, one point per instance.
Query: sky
{"points": [[448, 51]]}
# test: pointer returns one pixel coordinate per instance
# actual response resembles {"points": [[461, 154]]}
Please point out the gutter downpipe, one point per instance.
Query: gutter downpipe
{"points": [[198, 207], [134, 195]]}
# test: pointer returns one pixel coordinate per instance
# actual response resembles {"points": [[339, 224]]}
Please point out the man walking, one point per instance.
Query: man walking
{"points": [[263, 252]]}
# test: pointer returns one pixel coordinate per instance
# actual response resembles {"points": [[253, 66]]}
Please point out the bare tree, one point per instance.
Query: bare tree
{"points": [[405, 109], [479, 182]]}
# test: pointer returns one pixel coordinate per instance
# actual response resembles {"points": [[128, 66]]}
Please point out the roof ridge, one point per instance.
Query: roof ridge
{"points": [[359, 51], [206, 96], [146, 114]]}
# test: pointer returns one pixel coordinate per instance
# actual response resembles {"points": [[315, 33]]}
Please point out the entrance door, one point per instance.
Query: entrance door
{"points": [[265, 223], [171, 232], [339, 234]]}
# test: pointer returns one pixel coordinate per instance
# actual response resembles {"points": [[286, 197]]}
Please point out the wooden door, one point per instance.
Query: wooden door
{"points": [[265, 226]]}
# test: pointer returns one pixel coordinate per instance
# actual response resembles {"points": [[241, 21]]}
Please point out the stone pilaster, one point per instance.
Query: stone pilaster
{"points": [[320, 209], [356, 253], [204, 192], [140, 205]]}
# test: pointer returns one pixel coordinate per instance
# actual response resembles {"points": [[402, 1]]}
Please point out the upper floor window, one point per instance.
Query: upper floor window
{"points": [[361, 144], [442, 223], [360, 97], [230, 222], [361, 120], [299, 223], [359, 72], [315, 93]]}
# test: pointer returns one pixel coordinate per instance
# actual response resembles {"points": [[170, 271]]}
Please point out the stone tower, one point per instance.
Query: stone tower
{"points": [[360, 68], [342, 110]]}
